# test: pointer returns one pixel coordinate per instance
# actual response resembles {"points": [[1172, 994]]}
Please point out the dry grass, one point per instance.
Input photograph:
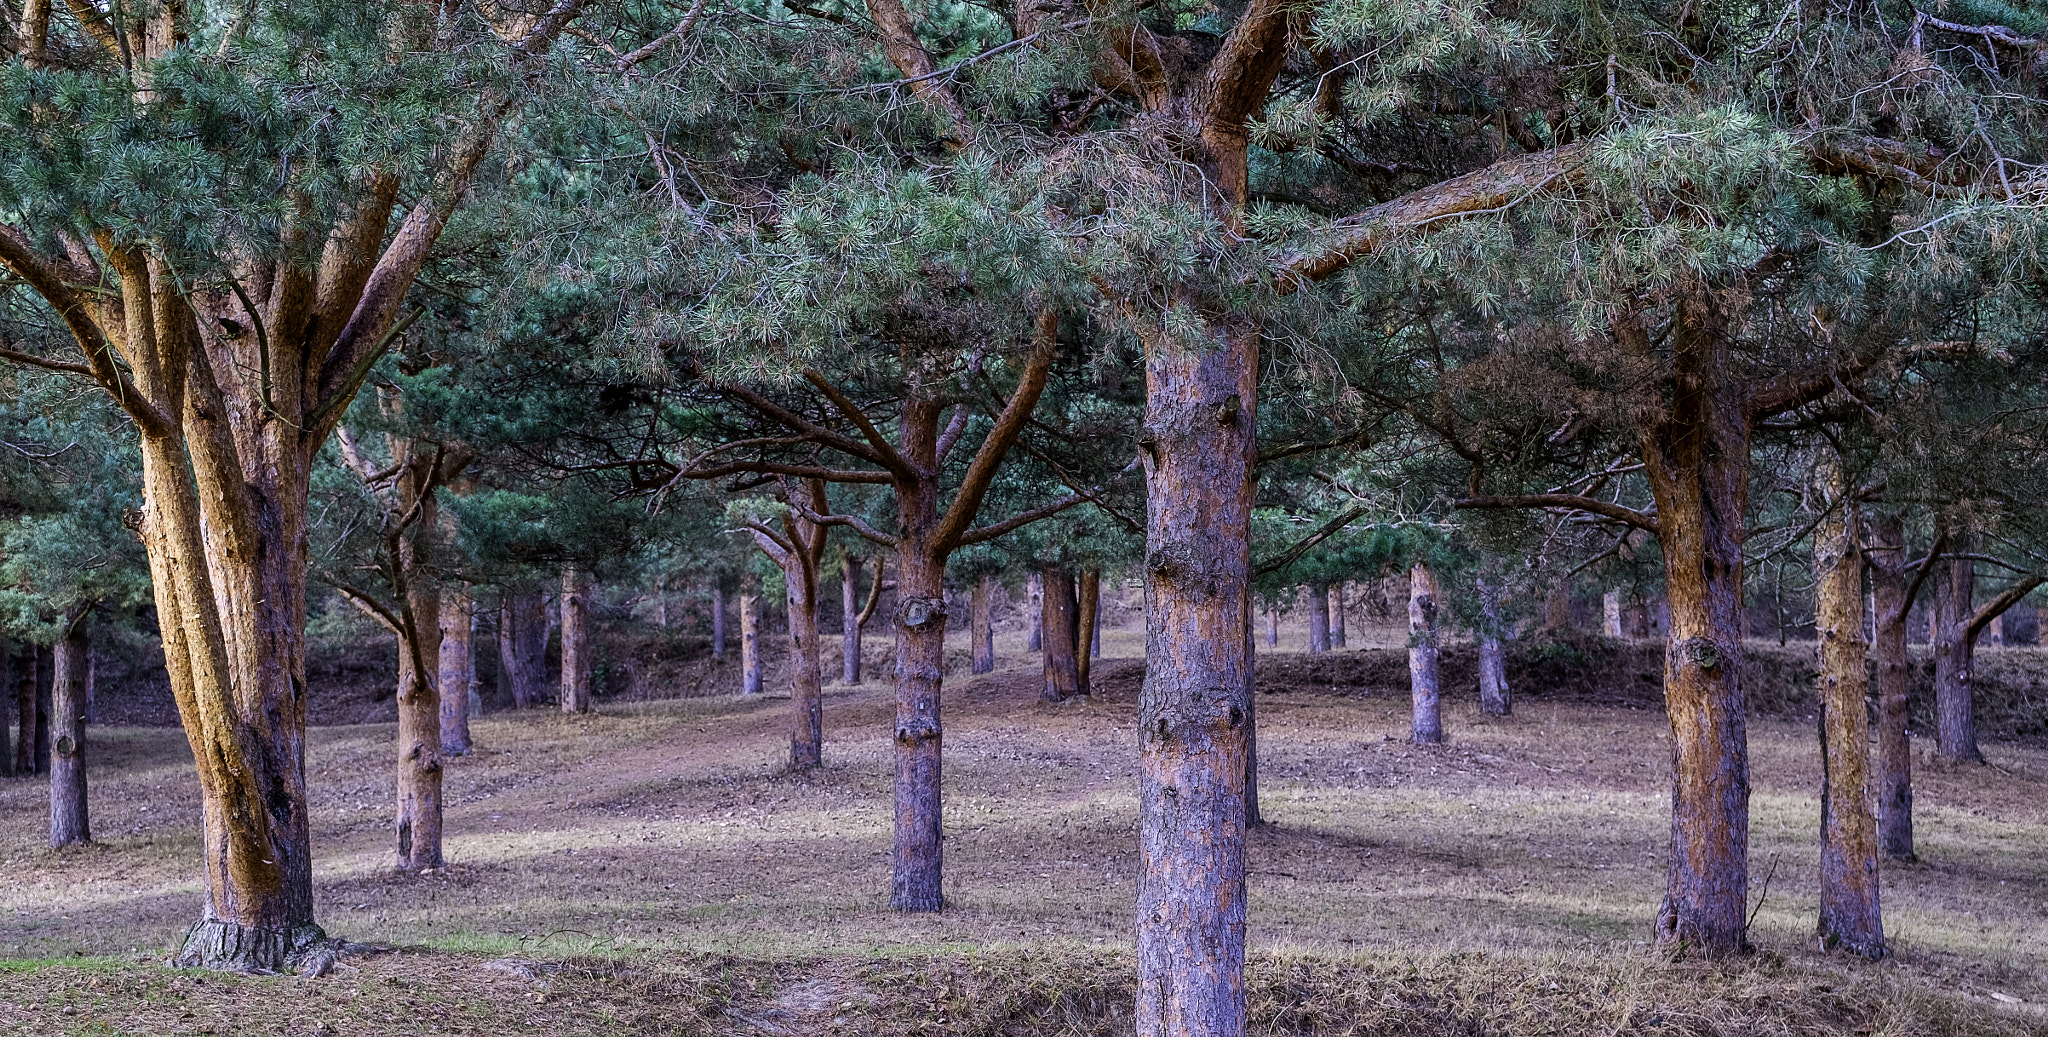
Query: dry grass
{"points": [[655, 872]]}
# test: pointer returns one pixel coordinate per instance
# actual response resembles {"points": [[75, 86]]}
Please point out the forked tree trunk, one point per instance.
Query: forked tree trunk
{"points": [[849, 619], [1318, 617], [750, 640], [1425, 682], [1610, 613], [1894, 684], [980, 633], [1193, 711], [718, 620], [1696, 458], [1494, 697], [458, 667], [1337, 614], [68, 815], [418, 824], [522, 646], [575, 641], [1954, 652], [1087, 628], [1850, 918], [1034, 604], [1058, 633]]}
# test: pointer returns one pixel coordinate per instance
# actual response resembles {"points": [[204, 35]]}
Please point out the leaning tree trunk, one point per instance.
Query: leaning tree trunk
{"points": [[1954, 652], [457, 668], [575, 640], [1058, 635], [1087, 628], [1425, 681], [1696, 458], [979, 627], [849, 619], [1894, 685], [1494, 698], [1850, 919], [750, 640], [1337, 614], [1193, 712], [68, 819], [1318, 617]]}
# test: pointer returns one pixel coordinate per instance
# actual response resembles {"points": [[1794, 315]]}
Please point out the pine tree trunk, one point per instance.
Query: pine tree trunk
{"points": [[1034, 598], [1696, 458], [458, 667], [1252, 816], [1193, 711], [806, 694], [917, 856], [1954, 652], [1494, 698], [983, 647], [9, 662], [68, 817], [46, 664], [575, 641], [25, 710], [418, 824], [1318, 617], [1058, 632], [718, 620], [1425, 683], [1994, 632], [750, 640], [1894, 684], [1087, 624], [1273, 627], [1557, 608], [1610, 613], [523, 646], [849, 621], [1850, 919], [1337, 615]]}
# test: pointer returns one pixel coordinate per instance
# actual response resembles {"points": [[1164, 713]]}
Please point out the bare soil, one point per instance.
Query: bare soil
{"points": [[651, 869]]}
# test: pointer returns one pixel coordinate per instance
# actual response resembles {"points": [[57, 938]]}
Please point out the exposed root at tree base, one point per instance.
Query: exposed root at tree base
{"points": [[224, 946]]}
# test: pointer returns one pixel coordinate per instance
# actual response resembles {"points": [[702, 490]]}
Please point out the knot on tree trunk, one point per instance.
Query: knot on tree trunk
{"points": [[919, 612], [916, 731]]}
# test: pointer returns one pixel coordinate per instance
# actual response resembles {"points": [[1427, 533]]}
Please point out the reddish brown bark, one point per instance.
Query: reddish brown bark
{"points": [[1087, 627], [69, 818], [798, 548], [1893, 678], [576, 660], [981, 632], [1850, 917], [1318, 596], [418, 822], [1425, 682], [1060, 629]]}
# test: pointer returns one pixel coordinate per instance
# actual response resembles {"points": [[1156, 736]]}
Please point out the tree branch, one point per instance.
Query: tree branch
{"points": [[858, 525], [1301, 547], [1996, 607], [1009, 424], [1592, 505], [886, 450], [642, 53]]}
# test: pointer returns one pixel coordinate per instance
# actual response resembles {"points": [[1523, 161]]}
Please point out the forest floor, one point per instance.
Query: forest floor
{"points": [[650, 868]]}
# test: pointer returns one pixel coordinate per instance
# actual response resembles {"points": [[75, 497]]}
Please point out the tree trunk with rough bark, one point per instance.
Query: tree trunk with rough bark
{"points": [[806, 695], [718, 620], [1954, 653], [1494, 697], [522, 646], [1034, 598], [1058, 634], [1696, 458], [576, 645], [750, 640], [46, 666], [1610, 613], [1337, 614], [458, 667], [1894, 676], [849, 618], [1087, 628], [417, 826], [1850, 918], [68, 815], [1425, 682], [1318, 617], [980, 630], [25, 710], [1273, 627]]}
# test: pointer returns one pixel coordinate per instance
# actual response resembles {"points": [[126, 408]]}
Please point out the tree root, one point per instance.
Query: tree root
{"points": [[225, 946]]}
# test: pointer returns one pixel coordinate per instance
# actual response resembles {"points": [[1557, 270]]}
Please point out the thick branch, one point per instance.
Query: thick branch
{"points": [[1009, 424], [841, 475], [1996, 607], [890, 459], [798, 423], [640, 54], [1019, 520], [1574, 501], [855, 523]]}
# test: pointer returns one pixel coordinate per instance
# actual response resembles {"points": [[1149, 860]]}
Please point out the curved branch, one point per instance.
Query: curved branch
{"points": [[1009, 425], [1592, 505], [855, 523], [1301, 547]]}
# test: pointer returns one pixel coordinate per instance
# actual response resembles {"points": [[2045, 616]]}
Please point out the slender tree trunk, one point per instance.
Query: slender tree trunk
{"points": [[1894, 684], [1273, 627], [1494, 698], [849, 621], [46, 666], [1696, 458], [1424, 681], [9, 666], [806, 695], [718, 620], [522, 646], [68, 819], [575, 641], [750, 640], [1337, 614], [1193, 712], [1610, 613], [25, 710], [1994, 633], [917, 856], [1034, 598], [1087, 624], [1058, 634], [1954, 652], [458, 667], [979, 628], [418, 824], [1318, 617], [1850, 918]]}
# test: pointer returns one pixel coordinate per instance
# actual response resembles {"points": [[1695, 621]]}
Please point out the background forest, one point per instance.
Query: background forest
{"points": [[1392, 489]]}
